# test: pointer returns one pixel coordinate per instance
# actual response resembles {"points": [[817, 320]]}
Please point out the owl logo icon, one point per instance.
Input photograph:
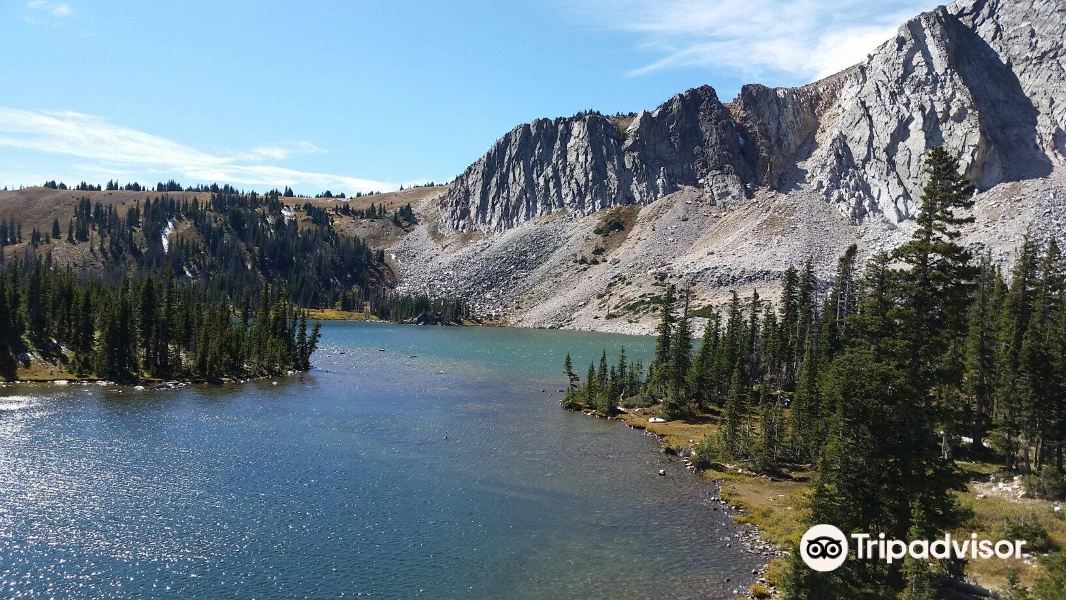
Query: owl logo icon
{"points": [[824, 548]]}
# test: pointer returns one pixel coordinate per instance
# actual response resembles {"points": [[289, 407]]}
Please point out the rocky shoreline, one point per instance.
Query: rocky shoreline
{"points": [[748, 535], [144, 385]]}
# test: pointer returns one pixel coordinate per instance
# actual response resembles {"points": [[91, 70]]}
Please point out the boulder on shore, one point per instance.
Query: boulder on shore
{"points": [[428, 318]]}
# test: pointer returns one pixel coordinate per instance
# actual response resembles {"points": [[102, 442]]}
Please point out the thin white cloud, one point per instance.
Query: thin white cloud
{"points": [[36, 9], [799, 40], [281, 151], [117, 149]]}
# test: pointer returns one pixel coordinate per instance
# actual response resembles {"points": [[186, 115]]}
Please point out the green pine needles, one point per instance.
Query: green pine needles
{"points": [[146, 329]]}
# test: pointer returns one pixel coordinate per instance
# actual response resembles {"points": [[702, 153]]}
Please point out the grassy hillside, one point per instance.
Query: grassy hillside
{"points": [[225, 241]]}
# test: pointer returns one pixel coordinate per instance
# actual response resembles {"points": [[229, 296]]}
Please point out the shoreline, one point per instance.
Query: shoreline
{"points": [[68, 379], [774, 507], [348, 316], [754, 539]]}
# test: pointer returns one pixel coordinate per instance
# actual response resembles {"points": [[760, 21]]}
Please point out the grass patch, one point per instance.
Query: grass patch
{"points": [[675, 435], [777, 507], [646, 303], [333, 314], [41, 370], [995, 516]]}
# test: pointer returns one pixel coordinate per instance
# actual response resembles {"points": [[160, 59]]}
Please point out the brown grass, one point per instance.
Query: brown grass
{"points": [[628, 214], [36, 207], [333, 314], [40, 370], [391, 200], [673, 434], [989, 513]]}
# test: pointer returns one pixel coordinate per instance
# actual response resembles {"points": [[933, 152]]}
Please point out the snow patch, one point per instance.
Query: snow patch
{"points": [[288, 212], [165, 237]]}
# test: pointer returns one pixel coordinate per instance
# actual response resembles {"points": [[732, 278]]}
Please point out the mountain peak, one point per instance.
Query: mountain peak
{"points": [[979, 77]]}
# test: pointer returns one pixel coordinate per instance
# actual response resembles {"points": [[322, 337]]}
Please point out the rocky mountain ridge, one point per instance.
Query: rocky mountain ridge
{"points": [[980, 77], [721, 197]]}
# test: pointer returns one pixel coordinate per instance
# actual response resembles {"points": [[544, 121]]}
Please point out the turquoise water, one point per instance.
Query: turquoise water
{"points": [[412, 462]]}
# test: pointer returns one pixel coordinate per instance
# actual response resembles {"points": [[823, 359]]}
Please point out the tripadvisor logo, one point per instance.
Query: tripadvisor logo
{"points": [[824, 548]]}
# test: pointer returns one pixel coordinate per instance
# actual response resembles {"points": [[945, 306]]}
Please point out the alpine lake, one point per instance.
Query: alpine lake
{"points": [[410, 462]]}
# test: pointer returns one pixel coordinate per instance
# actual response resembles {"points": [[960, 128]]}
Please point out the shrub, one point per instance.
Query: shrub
{"points": [[613, 224], [759, 590], [1047, 484], [598, 250], [706, 453], [570, 402], [1029, 529]]}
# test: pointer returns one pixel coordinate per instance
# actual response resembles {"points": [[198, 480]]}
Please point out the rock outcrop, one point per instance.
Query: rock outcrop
{"points": [[983, 78], [950, 77], [590, 162]]}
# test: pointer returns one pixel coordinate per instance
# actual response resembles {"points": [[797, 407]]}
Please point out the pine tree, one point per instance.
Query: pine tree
{"points": [[602, 385], [700, 376], [680, 349], [939, 274], [789, 324], [750, 364], [734, 430], [1040, 380], [730, 348], [568, 370], [622, 373], [148, 319], [881, 470], [37, 306], [842, 302], [590, 386], [979, 379], [807, 417], [660, 374], [1012, 324], [769, 449], [85, 336]]}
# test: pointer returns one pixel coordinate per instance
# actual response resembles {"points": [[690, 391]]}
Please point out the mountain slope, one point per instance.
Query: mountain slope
{"points": [[720, 196], [979, 77]]}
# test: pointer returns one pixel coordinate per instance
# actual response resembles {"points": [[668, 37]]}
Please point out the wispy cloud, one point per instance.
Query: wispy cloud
{"points": [[38, 11], [116, 149], [797, 39], [281, 151]]}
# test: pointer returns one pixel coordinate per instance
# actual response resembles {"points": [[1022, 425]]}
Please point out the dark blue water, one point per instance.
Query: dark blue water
{"points": [[412, 462]]}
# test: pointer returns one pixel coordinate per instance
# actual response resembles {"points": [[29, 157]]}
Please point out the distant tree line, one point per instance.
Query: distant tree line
{"points": [[233, 244], [875, 380], [392, 306], [173, 186], [146, 327]]}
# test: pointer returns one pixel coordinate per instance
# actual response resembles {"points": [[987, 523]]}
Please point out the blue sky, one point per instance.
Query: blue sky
{"points": [[353, 96]]}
